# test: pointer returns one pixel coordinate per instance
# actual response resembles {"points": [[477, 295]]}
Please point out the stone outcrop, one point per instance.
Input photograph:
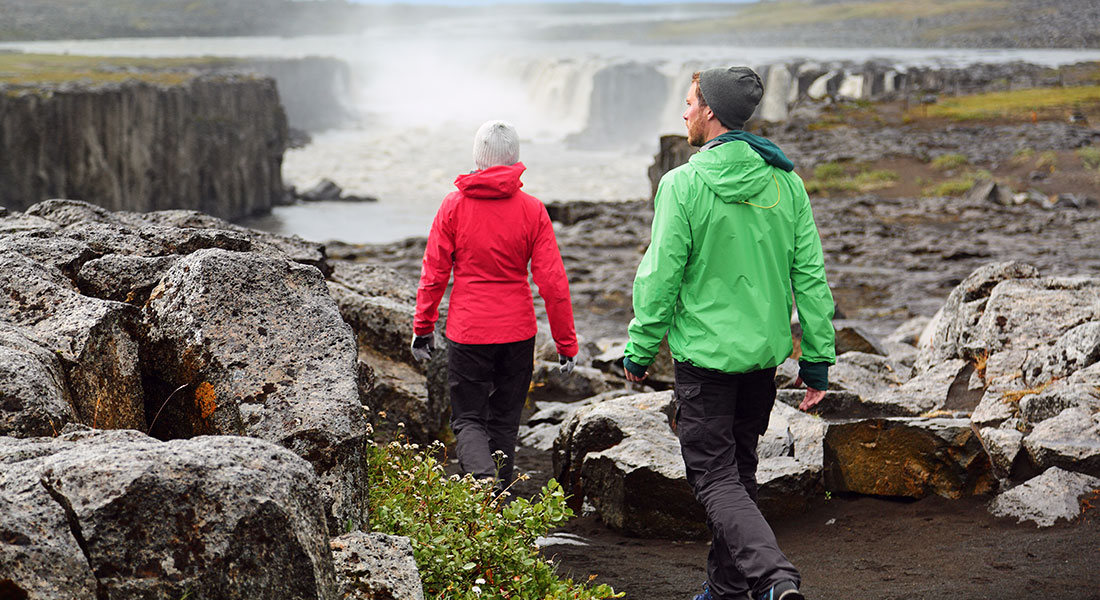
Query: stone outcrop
{"points": [[179, 324], [212, 143], [621, 455], [259, 348], [379, 304], [907, 457], [1048, 498], [375, 566], [116, 514]]}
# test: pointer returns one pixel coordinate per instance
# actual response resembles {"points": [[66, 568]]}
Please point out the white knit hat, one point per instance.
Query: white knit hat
{"points": [[496, 143]]}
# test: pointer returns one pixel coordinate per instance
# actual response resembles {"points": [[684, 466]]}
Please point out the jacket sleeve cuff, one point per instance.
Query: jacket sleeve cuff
{"points": [[814, 374], [421, 330], [634, 368]]}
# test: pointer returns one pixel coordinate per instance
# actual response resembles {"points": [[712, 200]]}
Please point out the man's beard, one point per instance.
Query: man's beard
{"points": [[695, 135]]}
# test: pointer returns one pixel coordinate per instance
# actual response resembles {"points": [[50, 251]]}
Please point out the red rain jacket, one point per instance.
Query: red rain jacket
{"points": [[488, 231]]}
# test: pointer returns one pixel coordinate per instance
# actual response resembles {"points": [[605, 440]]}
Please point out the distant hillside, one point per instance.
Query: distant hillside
{"points": [[878, 23], [59, 19]]}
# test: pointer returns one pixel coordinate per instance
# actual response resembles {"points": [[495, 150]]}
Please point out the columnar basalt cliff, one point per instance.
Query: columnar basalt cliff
{"points": [[212, 143]]}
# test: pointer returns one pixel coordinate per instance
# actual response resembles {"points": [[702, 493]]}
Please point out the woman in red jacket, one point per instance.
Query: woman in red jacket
{"points": [[488, 232]]}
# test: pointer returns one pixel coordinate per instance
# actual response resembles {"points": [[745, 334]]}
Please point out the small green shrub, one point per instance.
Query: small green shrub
{"points": [[1090, 156], [468, 543], [946, 162], [1023, 156]]}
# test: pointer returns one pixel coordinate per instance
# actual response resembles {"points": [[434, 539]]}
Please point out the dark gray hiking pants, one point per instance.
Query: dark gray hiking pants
{"points": [[488, 385], [720, 418]]}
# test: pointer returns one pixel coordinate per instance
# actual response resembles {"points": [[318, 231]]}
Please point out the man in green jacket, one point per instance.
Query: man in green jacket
{"points": [[733, 235]]}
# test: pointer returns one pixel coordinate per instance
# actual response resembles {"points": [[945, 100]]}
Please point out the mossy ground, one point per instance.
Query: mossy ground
{"points": [[49, 70]]}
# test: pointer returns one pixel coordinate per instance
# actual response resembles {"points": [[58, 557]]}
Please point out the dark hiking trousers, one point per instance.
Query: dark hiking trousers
{"points": [[488, 385], [720, 418]]}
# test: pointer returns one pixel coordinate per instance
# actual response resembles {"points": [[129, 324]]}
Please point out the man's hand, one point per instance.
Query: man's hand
{"points": [[422, 346], [633, 371], [567, 363], [812, 396]]}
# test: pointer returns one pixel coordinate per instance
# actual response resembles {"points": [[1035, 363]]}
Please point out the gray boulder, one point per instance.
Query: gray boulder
{"points": [[375, 566], [908, 457], [1077, 349], [1022, 317], [95, 340], [1003, 447], [952, 328], [123, 278], [244, 344], [548, 383], [927, 392], [1054, 495], [995, 408], [866, 374], [34, 400], [622, 456], [379, 304], [1070, 440], [116, 514], [852, 337]]}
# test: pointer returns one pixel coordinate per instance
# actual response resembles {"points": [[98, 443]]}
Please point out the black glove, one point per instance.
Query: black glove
{"points": [[422, 346], [567, 363]]}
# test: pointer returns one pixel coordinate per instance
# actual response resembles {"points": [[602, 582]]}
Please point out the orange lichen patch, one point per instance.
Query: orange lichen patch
{"points": [[205, 399]]}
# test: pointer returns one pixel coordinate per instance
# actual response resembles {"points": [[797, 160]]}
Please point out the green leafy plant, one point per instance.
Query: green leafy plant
{"points": [[468, 540]]}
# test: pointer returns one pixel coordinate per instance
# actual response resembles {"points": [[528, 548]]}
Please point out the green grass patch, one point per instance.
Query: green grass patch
{"points": [[469, 544], [1047, 160], [1023, 156], [834, 177], [957, 186], [772, 15], [946, 162], [1016, 105], [33, 70], [1090, 157]]}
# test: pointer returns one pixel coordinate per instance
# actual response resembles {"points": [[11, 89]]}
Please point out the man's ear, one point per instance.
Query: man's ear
{"points": [[708, 114]]}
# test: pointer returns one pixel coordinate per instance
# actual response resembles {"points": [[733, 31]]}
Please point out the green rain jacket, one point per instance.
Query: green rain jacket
{"points": [[732, 236]]}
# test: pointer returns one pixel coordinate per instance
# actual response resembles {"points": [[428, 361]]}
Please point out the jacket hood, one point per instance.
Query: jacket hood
{"points": [[733, 171], [493, 183]]}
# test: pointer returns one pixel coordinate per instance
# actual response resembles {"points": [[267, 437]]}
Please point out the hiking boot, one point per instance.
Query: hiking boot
{"points": [[785, 590], [705, 595]]}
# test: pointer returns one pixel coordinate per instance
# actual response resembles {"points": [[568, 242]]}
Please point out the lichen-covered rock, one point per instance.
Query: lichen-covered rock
{"points": [[910, 457], [95, 340], [375, 566], [1070, 440], [116, 514], [1077, 349], [123, 278], [1054, 495], [245, 344], [953, 327], [34, 400]]}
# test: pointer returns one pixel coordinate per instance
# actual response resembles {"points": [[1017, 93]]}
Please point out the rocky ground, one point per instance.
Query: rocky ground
{"points": [[891, 254]]}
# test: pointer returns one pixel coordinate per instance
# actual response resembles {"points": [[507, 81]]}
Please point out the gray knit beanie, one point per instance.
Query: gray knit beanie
{"points": [[731, 93], [496, 143]]}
